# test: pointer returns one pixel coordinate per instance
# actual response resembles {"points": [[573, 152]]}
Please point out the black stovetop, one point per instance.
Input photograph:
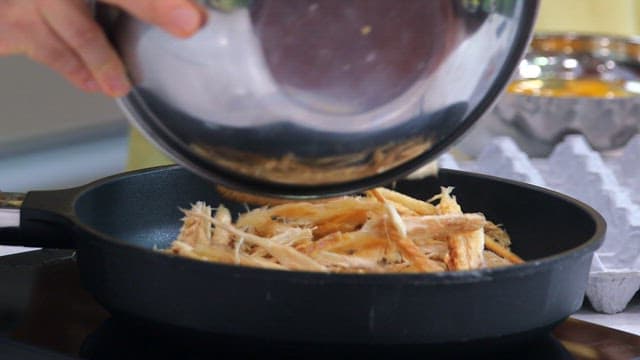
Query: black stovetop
{"points": [[45, 314]]}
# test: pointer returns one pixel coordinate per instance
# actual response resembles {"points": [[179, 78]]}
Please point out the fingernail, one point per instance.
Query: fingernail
{"points": [[186, 19], [117, 85]]}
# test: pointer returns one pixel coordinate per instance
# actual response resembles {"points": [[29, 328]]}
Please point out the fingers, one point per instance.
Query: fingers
{"points": [[23, 31], [72, 22], [53, 52], [179, 17], [63, 35], [13, 28]]}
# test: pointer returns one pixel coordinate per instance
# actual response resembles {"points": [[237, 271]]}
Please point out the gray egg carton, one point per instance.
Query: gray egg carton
{"points": [[608, 183]]}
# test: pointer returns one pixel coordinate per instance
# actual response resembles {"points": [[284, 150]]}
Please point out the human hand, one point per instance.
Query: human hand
{"points": [[63, 35]]}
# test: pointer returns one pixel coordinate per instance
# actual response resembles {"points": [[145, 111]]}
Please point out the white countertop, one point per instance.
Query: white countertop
{"points": [[628, 320]]}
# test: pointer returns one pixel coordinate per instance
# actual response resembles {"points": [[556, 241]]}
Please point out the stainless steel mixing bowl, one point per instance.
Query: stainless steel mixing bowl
{"points": [[312, 98]]}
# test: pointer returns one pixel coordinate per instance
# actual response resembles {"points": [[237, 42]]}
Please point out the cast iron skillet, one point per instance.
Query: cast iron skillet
{"points": [[116, 223]]}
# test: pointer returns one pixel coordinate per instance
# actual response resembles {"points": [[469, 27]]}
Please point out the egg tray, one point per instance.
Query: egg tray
{"points": [[609, 183]]}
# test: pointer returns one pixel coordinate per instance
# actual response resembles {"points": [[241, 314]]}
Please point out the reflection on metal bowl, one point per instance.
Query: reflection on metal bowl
{"points": [[569, 83], [300, 98]]}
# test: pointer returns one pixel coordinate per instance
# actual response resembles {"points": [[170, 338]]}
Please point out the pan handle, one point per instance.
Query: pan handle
{"points": [[37, 219]]}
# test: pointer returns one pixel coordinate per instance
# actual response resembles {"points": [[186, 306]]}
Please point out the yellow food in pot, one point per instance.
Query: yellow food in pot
{"points": [[595, 88]]}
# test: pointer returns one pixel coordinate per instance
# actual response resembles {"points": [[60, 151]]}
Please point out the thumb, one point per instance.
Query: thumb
{"points": [[179, 17]]}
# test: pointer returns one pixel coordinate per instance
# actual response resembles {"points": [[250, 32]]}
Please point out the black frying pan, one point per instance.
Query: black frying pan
{"points": [[115, 223]]}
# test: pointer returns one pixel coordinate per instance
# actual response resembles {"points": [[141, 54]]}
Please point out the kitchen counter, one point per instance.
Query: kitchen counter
{"points": [[628, 320]]}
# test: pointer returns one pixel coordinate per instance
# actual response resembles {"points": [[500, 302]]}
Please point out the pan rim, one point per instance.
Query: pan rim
{"points": [[464, 276]]}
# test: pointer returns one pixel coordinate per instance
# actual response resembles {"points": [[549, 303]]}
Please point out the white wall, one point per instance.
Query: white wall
{"points": [[52, 135], [37, 104]]}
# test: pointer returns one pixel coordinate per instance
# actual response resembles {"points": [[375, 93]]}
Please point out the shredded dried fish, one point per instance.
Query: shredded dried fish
{"points": [[379, 232]]}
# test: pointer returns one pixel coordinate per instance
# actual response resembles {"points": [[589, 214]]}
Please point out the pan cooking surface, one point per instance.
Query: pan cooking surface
{"points": [[143, 210]]}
